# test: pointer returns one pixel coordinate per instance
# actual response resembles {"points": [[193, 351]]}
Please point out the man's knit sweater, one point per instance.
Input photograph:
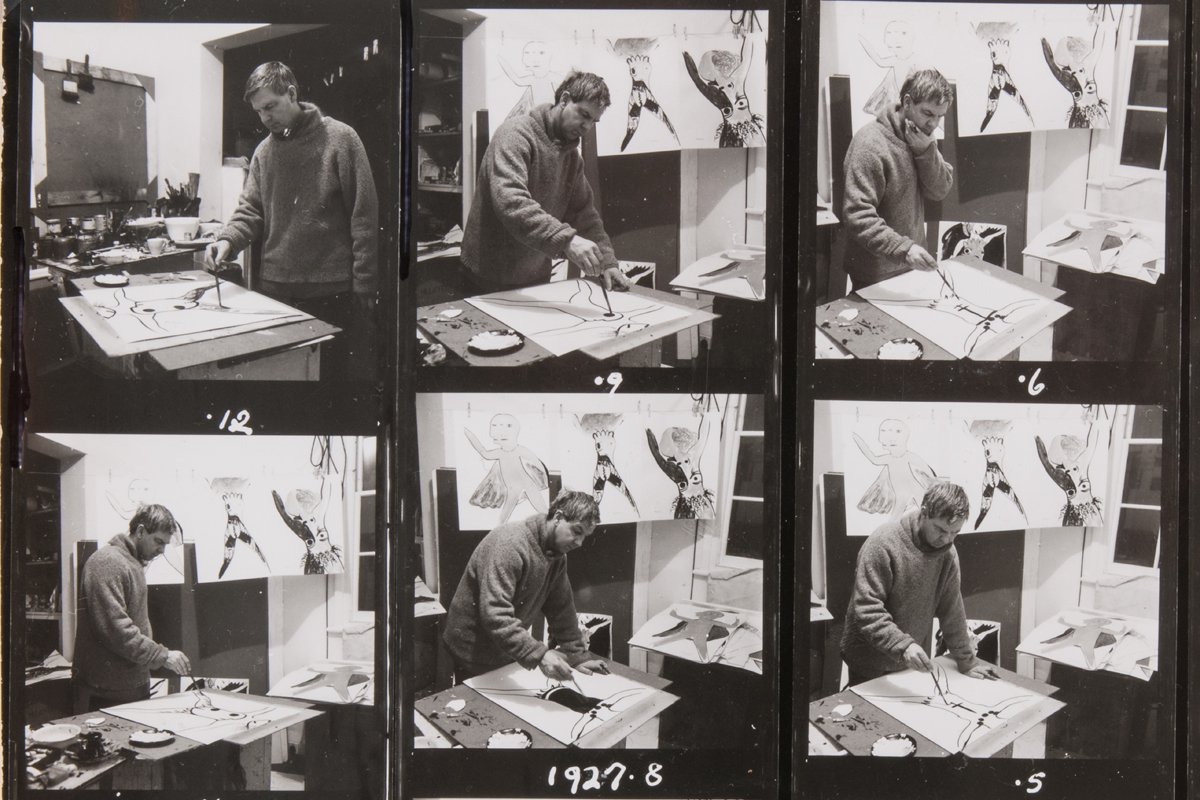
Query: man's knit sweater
{"points": [[114, 648], [531, 199], [884, 204], [309, 199], [900, 584], [511, 578]]}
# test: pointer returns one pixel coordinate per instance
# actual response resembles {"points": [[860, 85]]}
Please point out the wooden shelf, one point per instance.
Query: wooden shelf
{"points": [[439, 187], [47, 615], [42, 562], [439, 134]]}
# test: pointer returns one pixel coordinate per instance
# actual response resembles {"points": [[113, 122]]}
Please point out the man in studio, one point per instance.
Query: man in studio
{"points": [[533, 202], [518, 571], [114, 645], [907, 574], [309, 200], [892, 167]]}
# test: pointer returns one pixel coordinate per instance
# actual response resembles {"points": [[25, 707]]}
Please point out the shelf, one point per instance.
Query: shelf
{"points": [[439, 134], [47, 615], [438, 187], [42, 562]]}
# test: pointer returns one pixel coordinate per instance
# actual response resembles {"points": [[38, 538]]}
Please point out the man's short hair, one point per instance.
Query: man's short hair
{"points": [[575, 507], [273, 75], [927, 86], [155, 518], [584, 87], [945, 500]]}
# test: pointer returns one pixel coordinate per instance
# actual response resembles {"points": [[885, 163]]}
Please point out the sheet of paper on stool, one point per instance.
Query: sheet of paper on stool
{"points": [[965, 711], [705, 635], [1130, 647], [1103, 243], [329, 682], [557, 708]]}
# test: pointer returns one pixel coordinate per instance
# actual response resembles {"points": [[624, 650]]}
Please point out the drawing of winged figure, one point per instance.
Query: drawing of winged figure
{"points": [[1067, 461], [677, 453], [602, 428], [1073, 64], [304, 512], [232, 494], [903, 476], [516, 472], [636, 53], [998, 37], [721, 78], [991, 434]]}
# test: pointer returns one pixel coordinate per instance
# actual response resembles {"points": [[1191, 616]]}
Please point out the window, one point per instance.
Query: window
{"points": [[1142, 143], [363, 503], [1134, 519], [744, 535]]}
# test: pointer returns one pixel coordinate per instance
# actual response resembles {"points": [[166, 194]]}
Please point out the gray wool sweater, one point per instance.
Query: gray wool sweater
{"points": [[509, 580], [114, 645], [900, 584], [884, 203], [531, 199], [309, 199]]}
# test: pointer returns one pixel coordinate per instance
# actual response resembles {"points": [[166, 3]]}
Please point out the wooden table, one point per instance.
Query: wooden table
{"points": [[862, 336]]}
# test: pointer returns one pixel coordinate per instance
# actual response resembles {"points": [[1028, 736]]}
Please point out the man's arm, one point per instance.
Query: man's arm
{"points": [[358, 188], [953, 618], [523, 216], [106, 605], [561, 618], [865, 183], [872, 585], [246, 223], [582, 214], [498, 575]]}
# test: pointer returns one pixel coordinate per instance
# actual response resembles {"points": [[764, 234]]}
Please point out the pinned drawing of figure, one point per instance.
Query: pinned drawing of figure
{"points": [[678, 454], [304, 513], [232, 494], [1073, 64], [1067, 461], [535, 77], [998, 37], [721, 78], [975, 239], [991, 434], [636, 53], [898, 61], [602, 427], [141, 493], [904, 476], [516, 474]]}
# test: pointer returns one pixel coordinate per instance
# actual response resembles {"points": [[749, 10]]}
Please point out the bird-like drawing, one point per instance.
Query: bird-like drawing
{"points": [[991, 435], [678, 454], [1098, 236], [903, 476], [706, 626], [721, 78], [231, 492], [339, 677], [1093, 633], [636, 52], [516, 473], [304, 513], [602, 427], [1067, 461], [1073, 64], [753, 271], [998, 36]]}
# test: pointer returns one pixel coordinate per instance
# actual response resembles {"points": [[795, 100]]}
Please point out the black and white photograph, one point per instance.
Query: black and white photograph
{"points": [[199, 613], [590, 186], [991, 181], [204, 200]]}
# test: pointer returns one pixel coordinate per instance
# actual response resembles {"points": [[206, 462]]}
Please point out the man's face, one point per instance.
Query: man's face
{"points": [[150, 544], [277, 112], [578, 118], [939, 532], [567, 536], [926, 115]]}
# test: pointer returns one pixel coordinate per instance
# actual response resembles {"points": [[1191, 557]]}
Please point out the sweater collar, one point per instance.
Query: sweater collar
{"points": [[539, 533], [893, 124], [545, 128], [124, 542], [911, 524], [310, 115]]}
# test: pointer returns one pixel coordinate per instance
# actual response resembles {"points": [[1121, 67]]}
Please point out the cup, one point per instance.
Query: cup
{"points": [[156, 245]]}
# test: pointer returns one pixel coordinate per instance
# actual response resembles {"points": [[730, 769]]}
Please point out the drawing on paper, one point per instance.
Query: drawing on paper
{"points": [[200, 716], [1098, 243], [721, 78], [602, 429], [982, 240], [236, 685], [350, 683], [903, 475], [636, 52], [306, 515], [705, 635], [560, 709], [566, 315], [897, 59], [1073, 63], [1097, 640], [232, 494], [991, 434], [536, 78], [165, 568], [678, 453], [998, 37], [516, 473], [161, 310], [1067, 460]]}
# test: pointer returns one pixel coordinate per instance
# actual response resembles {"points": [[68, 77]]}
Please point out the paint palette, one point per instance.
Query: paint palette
{"points": [[495, 343], [151, 738]]}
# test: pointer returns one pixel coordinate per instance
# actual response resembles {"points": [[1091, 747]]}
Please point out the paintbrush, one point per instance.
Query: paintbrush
{"points": [[605, 293], [199, 692]]}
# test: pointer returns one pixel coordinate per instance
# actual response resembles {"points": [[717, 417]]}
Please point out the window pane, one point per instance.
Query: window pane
{"points": [[1148, 77], [748, 478], [753, 421], [1143, 475], [366, 523], [368, 458], [1144, 137], [366, 583], [745, 530], [1154, 23], [1137, 537], [1147, 422]]}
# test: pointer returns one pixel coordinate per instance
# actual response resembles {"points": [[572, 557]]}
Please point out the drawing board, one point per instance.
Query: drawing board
{"points": [[501, 465], [971, 308], [729, 636], [207, 716], [1103, 243]]}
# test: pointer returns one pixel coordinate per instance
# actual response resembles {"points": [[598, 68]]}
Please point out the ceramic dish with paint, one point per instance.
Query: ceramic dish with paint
{"points": [[112, 280], [894, 745], [510, 739], [495, 343], [149, 737], [904, 349], [55, 734]]}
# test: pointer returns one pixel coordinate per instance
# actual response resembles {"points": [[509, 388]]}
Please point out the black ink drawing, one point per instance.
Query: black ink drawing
{"points": [[592, 711], [516, 472], [721, 78], [184, 313], [197, 715], [1095, 237], [305, 515], [904, 476], [991, 433], [339, 678], [678, 453], [636, 53], [535, 78], [705, 627], [976, 239], [1093, 633], [1067, 461], [1073, 64], [998, 37], [898, 61], [602, 427], [231, 491]]}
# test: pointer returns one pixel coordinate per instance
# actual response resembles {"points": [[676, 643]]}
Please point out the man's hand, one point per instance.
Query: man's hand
{"points": [[918, 257], [917, 659], [555, 665], [178, 663], [216, 253], [593, 665], [585, 254], [981, 671], [918, 140], [615, 280]]}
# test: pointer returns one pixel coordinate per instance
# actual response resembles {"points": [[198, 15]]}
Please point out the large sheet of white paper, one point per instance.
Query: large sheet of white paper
{"points": [[203, 717], [705, 634], [966, 307], [565, 711], [332, 682], [1097, 640], [1103, 243]]}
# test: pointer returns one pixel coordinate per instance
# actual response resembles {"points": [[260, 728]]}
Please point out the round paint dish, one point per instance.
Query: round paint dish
{"points": [[510, 739], [894, 745], [901, 350], [149, 737], [495, 343], [111, 280]]}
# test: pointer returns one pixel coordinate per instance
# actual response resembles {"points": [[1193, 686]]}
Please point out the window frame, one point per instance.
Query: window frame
{"points": [[1127, 47], [1117, 490], [734, 435]]}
